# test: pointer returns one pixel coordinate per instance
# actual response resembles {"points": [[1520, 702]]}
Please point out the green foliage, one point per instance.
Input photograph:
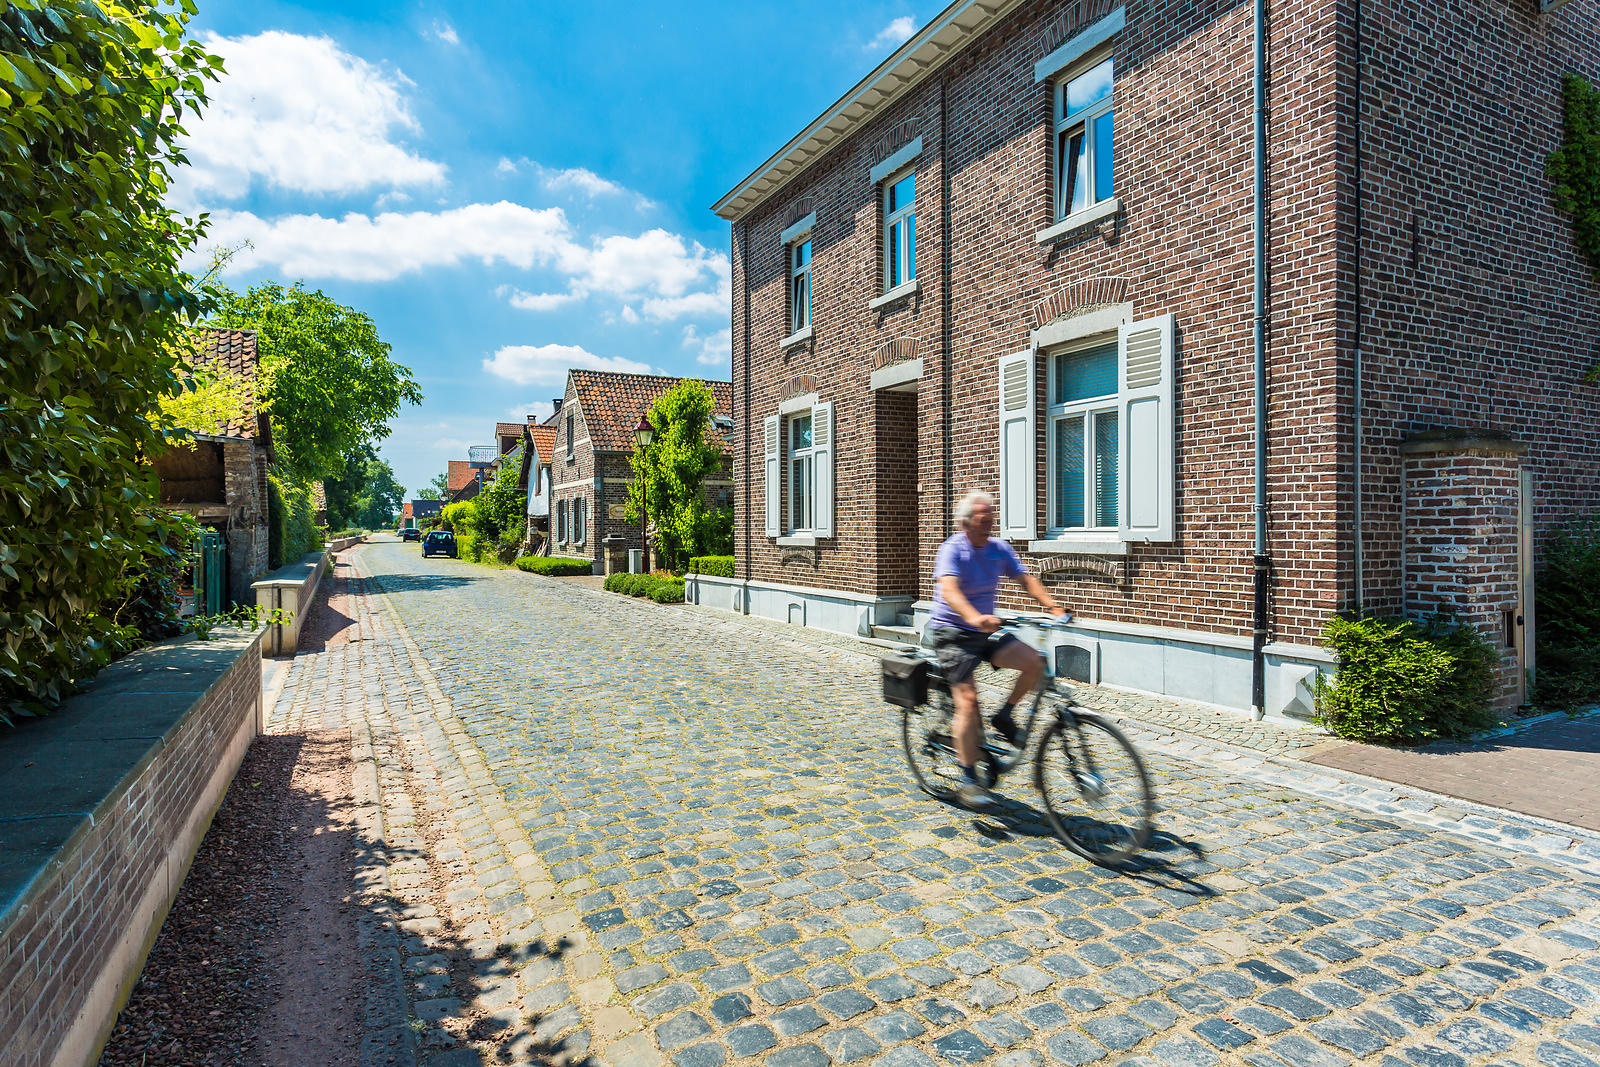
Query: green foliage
{"points": [[93, 311], [669, 475], [354, 531], [428, 492], [1574, 170], [292, 524], [556, 567], [326, 379], [491, 526], [1404, 683], [212, 398], [663, 590], [666, 592], [716, 566], [1567, 618]]}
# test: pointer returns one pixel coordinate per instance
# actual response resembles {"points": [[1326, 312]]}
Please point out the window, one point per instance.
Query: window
{"points": [[900, 230], [799, 285], [798, 461], [802, 475], [1084, 153], [1081, 421], [580, 520], [569, 435]]}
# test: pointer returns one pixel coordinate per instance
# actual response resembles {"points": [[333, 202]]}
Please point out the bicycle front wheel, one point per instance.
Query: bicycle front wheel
{"points": [[1095, 787]]}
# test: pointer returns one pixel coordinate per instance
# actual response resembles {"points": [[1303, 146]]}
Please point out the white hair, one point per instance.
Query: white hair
{"points": [[970, 502]]}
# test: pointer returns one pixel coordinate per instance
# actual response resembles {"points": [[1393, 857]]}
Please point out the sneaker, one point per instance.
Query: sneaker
{"points": [[1007, 727], [974, 797]]}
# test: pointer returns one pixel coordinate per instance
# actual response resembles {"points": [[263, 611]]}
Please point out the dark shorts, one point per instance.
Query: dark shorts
{"points": [[960, 651]]}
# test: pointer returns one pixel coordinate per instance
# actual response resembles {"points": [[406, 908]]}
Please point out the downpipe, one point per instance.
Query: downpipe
{"points": [[1262, 564]]}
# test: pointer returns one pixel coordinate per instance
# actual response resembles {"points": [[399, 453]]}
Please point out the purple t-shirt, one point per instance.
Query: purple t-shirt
{"points": [[978, 572]]}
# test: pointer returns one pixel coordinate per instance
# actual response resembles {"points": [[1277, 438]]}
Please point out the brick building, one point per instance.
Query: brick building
{"points": [[463, 481], [1019, 256], [414, 514], [222, 479], [594, 424], [533, 478]]}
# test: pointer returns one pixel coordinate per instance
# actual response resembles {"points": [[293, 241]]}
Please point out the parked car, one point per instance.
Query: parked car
{"points": [[411, 535], [442, 542]]}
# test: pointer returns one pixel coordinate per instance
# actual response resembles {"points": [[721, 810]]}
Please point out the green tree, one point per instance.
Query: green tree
{"points": [[673, 469], [441, 487], [326, 379], [343, 490], [381, 499], [427, 492], [93, 311], [1574, 171]]}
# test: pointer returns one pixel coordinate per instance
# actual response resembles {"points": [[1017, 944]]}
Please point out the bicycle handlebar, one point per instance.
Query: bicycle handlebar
{"points": [[1042, 622]]}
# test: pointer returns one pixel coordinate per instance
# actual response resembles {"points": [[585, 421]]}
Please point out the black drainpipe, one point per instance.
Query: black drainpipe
{"points": [[946, 361], [1261, 561], [1359, 427], [743, 233]]}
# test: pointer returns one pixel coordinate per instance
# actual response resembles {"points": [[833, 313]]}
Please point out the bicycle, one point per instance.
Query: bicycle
{"points": [[1079, 753]]}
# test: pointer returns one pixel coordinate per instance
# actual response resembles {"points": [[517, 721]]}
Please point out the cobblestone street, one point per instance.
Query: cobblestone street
{"points": [[633, 834]]}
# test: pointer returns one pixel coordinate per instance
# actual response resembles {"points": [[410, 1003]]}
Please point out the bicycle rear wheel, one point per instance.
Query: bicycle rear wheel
{"points": [[930, 749], [1086, 762]]}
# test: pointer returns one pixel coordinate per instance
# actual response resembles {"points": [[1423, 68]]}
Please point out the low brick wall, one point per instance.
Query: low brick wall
{"points": [[344, 543], [104, 804], [290, 588]]}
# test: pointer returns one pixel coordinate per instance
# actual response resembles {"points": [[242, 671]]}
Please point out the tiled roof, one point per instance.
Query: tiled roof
{"points": [[460, 473], [507, 429], [544, 440], [423, 508], [235, 352], [612, 404]]}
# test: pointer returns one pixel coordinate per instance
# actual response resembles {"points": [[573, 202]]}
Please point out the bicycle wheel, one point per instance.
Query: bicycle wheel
{"points": [[1086, 759], [930, 748]]}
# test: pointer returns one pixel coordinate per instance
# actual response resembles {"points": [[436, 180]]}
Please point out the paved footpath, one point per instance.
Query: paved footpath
{"points": [[611, 831]]}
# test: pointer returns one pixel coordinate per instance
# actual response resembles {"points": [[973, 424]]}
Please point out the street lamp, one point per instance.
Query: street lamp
{"points": [[643, 434]]}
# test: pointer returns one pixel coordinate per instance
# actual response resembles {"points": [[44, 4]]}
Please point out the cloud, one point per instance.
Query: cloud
{"points": [[897, 33], [505, 166], [716, 350], [656, 264], [580, 180], [300, 114], [443, 31], [539, 409], [548, 364], [700, 303], [537, 301]]}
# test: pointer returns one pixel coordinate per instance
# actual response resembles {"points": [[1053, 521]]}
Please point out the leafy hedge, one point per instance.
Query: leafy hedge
{"points": [[1567, 618], [1405, 683], [554, 567], [662, 590], [716, 566], [293, 531]]}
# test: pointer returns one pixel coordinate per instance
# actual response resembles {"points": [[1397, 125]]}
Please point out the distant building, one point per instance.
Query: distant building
{"points": [[416, 512]]}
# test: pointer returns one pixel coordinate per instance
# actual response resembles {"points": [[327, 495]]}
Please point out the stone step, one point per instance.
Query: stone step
{"points": [[902, 633]]}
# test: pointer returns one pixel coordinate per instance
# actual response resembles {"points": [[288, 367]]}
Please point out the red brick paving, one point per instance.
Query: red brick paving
{"points": [[1551, 771]]}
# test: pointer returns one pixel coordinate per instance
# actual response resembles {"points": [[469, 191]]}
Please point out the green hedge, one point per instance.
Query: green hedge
{"points": [[716, 566], [665, 592], [1567, 598], [661, 590], [1406, 683], [554, 567], [292, 527]]}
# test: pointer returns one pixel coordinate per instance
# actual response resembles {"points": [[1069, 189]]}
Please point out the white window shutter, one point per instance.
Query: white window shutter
{"points": [[1145, 373], [774, 477], [1018, 447], [822, 450]]}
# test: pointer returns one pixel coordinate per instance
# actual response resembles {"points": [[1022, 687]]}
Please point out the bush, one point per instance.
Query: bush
{"points": [[293, 525], [666, 592], [555, 567], [717, 566], [1567, 618], [1402, 682], [356, 532]]}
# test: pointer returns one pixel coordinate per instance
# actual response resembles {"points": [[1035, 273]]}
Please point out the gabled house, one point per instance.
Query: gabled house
{"points": [[593, 439], [1045, 250], [533, 478], [414, 513], [463, 481], [222, 479]]}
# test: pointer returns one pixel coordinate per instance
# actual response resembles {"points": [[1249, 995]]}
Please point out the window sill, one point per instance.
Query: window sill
{"points": [[797, 541], [1079, 546], [1105, 209], [802, 334], [899, 292]]}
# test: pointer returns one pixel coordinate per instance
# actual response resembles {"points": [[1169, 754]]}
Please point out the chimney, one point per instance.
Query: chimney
{"points": [[558, 402]]}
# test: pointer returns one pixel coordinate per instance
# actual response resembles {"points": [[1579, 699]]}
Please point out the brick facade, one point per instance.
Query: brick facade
{"points": [[1442, 343], [245, 470]]}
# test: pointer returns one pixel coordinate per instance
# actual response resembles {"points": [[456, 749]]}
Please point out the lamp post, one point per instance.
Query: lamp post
{"points": [[643, 434]]}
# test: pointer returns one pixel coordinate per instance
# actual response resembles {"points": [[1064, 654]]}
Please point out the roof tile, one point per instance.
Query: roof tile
{"points": [[613, 403]]}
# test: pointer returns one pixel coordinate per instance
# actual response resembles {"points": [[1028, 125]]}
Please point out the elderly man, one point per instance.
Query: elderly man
{"points": [[966, 574]]}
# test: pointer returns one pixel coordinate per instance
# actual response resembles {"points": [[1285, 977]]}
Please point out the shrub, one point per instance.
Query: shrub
{"points": [[293, 521], [555, 567], [1402, 682], [1567, 618], [718, 566], [635, 584], [354, 532], [614, 581], [664, 592]]}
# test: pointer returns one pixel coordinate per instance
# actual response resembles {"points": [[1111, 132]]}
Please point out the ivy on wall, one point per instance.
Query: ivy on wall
{"points": [[1574, 170]]}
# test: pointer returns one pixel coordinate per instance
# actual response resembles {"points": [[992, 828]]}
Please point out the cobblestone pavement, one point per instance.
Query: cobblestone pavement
{"points": [[636, 834]]}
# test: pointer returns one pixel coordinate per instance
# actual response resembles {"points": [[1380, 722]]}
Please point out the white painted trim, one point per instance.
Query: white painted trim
{"points": [[802, 334], [1079, 546], [1080, 45], [794, 404], [899, 292], [801, 590], [1077, 327], [1079, 219], [799, 229], [897, 374], [901, 156], [796, 541], [1288, 650]]}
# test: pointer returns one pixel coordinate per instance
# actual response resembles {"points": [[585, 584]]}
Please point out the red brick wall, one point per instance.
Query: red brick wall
{"points": [[71, 947], [894, 493]]}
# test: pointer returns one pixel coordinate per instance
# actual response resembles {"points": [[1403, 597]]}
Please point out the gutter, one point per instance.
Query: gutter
{"points": [[1261, 561]]}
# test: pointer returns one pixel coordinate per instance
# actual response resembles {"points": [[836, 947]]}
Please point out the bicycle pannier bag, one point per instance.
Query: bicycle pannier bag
{"points": [[905, 681]]}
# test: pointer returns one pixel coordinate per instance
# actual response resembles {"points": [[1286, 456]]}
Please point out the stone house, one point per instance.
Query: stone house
{"points": [[1020, 255], [222, 480], [594, 425]]}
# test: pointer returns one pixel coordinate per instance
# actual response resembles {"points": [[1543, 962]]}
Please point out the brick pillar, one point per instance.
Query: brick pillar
{"points": [[1461, 537]]}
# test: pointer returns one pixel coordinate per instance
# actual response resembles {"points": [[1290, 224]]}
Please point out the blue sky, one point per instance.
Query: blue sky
{"points": [[510, 189]]}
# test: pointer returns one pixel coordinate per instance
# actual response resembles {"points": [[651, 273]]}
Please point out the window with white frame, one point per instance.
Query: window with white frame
{"points": [[899, 229], [1084, 139], [800, 285], [1081, 424], [802, 474], [798, 471]]}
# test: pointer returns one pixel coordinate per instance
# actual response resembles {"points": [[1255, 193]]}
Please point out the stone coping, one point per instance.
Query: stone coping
{"points": [[60, 771], [291, 573]]}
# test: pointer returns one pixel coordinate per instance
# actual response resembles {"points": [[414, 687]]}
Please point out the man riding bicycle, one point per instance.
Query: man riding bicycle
{"points": [[966, 574]]}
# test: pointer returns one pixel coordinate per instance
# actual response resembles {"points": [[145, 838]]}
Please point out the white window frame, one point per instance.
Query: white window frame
{"points": [[901, 216], [806, 458], [1088, 410], [800, 315], [1085, 119]]}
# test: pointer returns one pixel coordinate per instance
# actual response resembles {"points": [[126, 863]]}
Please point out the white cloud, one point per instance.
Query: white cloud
{"points": [[630, 316], [716, 350], [548, 364], [443, 31], [654, 264], [300, 114], [505, 166], [897, 33], [699, 303], [580, 180], [526, 301], [539, 409]]}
